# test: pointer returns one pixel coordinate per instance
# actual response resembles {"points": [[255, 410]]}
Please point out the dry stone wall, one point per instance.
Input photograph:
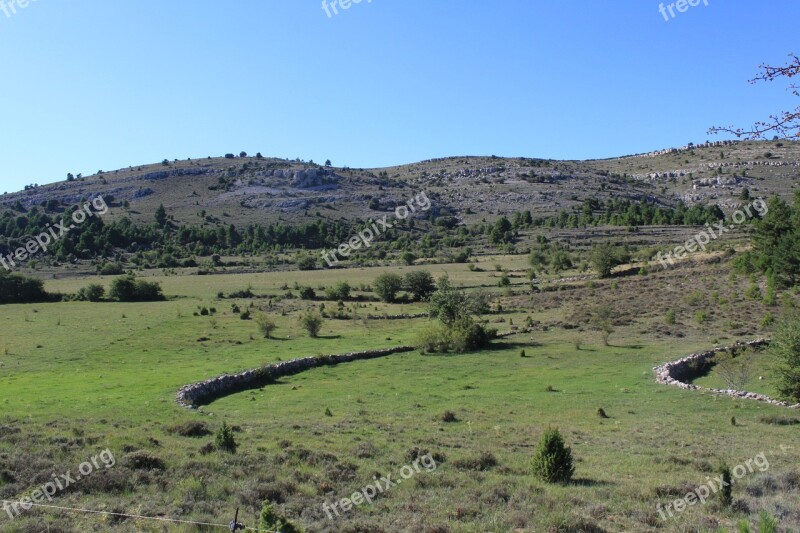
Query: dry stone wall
{"points": [[211, 389], [677, 373]]}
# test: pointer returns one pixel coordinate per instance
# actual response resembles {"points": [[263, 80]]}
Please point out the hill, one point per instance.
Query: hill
{"points": [[245, 190]]}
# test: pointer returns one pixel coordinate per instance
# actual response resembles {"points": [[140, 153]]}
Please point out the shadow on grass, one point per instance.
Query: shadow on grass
{"points": [[506, 345], [583, 482]]}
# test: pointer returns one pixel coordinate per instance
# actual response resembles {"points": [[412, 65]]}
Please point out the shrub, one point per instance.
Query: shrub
{"points": [[434, 338], [754, 292], [246, 293], [701, 317], [111, 269], [671, 317], [468, 336], [311, 321], [142, 460], [766, 523], [307, 293], [16, 289], [191, 429], [449, 416], [306, 262], [462, 336], [485, 461], [552, 461], [408, 258], [271, 520], [91, 293], [224, 439], [340, 291], [129, 289], [266, 325]]}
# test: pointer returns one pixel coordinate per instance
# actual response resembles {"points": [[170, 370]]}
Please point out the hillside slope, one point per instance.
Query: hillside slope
{"points": [[245, 190]]}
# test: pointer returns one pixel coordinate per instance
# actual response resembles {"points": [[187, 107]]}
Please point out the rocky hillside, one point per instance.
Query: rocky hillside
{"points": [[244, 189]]}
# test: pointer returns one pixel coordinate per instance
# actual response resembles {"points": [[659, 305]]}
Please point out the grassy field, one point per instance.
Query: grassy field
{"points": [[77, 378]]}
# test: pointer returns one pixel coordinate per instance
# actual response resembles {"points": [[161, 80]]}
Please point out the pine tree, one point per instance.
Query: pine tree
{"points": [[161, 215], [785, 347], [552, 461]]}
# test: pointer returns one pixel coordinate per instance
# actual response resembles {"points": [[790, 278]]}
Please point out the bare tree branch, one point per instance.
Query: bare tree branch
{"points": [[785, 124]]}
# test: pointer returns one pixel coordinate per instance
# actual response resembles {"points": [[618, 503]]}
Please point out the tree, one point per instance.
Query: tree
{"points": [[734, 369], [161, 216], [242, 154], [785, 124], [328, 162], [552, 460], [420, 284], [266, 324], [456, 329], [502, 232], [561, 260], [447, 303], [602, 318], [311, 321], [387, 285], [785, 347], [604, 259]]}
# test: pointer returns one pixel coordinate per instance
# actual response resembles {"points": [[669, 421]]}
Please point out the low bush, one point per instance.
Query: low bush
{"points": [[130, 289], [142, 460], [190, 429], [17, 289], [91, 293], [111, 269]]}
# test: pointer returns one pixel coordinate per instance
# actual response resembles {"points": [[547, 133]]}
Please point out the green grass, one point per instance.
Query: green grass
{"points": [[79, 377], [763, 367]]}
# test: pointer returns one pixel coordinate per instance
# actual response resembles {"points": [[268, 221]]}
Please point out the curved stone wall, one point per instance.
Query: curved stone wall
{"points": [[211, 389], [677, 373]]}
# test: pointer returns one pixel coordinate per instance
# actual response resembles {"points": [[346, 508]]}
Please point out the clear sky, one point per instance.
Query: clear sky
{"points": [[103, 84]]}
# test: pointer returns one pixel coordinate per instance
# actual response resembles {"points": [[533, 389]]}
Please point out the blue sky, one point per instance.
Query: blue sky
{"points": [[93, 84]]}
